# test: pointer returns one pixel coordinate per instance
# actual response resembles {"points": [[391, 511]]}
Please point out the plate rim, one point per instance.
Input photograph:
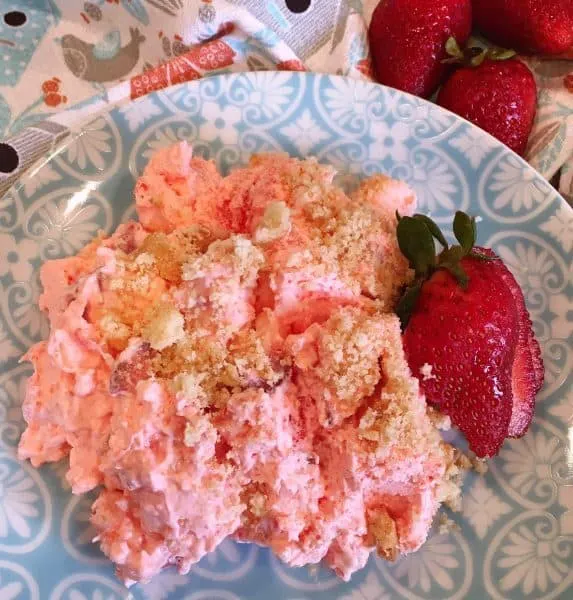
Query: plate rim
{"points": [[496, 146], [76, 131]]}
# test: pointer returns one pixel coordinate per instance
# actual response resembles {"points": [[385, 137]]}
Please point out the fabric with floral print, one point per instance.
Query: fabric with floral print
{"points": [[59, 55]]}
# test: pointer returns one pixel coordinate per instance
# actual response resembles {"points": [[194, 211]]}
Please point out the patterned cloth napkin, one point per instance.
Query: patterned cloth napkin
{"points": [[57, 55]]}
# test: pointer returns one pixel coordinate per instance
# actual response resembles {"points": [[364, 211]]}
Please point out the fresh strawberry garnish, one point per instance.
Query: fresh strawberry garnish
{"points": [[527, 371], [495, 91], [467, 334], [531, 26], [407, 41]]}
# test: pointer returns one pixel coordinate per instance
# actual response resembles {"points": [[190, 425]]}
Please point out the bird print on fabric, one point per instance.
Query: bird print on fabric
{"points": [[104, 61]]}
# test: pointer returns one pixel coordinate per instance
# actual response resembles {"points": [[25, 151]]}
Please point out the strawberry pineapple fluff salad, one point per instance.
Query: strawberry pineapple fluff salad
{"points": [[231, 365]]}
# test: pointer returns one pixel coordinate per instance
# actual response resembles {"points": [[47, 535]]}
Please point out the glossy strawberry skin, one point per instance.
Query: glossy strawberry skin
{"points": [[469, 337], [408, 37], [527, 372], [528, 26], [498, 96]]}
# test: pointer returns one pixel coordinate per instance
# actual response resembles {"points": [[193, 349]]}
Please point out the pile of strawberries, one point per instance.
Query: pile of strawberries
{"points": [[418, 45]]}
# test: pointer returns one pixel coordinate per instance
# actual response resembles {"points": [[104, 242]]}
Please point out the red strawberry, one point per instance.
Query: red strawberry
{"points": [[527, 372], [407, 41], [499, 96], [465, 316], [530, 26]]}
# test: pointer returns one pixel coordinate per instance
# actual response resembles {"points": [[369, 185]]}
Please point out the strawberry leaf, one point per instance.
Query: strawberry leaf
{"points": [[465, 230], [416, 237], [481, 256], [458, 272], [408, 302], [451, 256], [501, 53], [450, 61], [434, 229], [453, 49], [473, 55], [416, 244], [473, 51], [449, 259], [477, 60]]}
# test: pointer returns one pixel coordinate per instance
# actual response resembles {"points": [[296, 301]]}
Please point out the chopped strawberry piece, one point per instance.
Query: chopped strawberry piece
{"points": [[133, 365]]}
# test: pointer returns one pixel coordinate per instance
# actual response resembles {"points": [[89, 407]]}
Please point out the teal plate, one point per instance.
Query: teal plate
{"points": [[515, 536]]}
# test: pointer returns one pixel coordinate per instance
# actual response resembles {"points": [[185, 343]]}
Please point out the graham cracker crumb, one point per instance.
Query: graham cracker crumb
{"points": [[237, 253], [450, 487], [462, 461], [479, 465], [165, 327], [252, 365], [145, 259], [350, 345], [368, 419], [190, 386], [440, 420], [195, 430], [383, 530], [113, 328], [165, 255], [274, 224], [446, 525], [257, 504]]}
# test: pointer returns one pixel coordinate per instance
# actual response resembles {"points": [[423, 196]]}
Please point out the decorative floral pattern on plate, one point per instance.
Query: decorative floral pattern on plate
{"points": [[25, 507], [471, 143], [305, 133], [510, 192], [440, 569], [12, 385], [532, 470], [16, 583], [17, 256], [163, 585], [138, 113], [516, 523], [482, 507], [529, 558], [77, 532], [306, 579], [230, 561], [86, 586], [94, 152], [369, 589], [560, 227]]}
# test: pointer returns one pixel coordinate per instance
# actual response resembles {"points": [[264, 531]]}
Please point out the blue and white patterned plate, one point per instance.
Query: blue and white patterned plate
{"points": [[515, 536]]}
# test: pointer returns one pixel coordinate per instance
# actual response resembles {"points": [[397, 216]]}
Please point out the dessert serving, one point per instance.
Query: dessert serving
{"points": [[253, 359]]}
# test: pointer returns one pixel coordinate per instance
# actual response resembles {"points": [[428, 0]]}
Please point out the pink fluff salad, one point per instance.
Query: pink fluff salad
{"points": [[231, 366]]}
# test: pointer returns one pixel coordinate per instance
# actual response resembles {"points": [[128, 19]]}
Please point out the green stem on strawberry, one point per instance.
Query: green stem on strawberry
{"points": [[416, 235], [474, 56]]}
